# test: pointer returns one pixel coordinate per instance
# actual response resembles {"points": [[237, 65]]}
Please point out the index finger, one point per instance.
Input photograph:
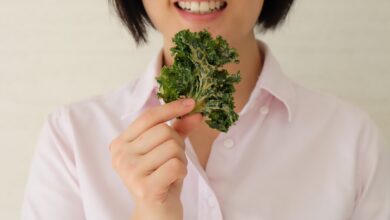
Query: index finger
{"points": [[156, 115]]}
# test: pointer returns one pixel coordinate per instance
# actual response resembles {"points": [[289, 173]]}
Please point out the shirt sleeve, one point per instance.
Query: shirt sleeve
{"points": [[52, 190], [372, 175]]}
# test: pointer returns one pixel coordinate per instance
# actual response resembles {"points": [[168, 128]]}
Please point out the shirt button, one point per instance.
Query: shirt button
{"points": [[210, 201], [264, 110], [228, 143]]}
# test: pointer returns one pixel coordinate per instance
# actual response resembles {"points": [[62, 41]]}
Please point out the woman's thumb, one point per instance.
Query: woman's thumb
{"points": [[186, 124]]}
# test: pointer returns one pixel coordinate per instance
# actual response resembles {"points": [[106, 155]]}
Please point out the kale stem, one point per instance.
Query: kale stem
{"points": [[199, 105]]}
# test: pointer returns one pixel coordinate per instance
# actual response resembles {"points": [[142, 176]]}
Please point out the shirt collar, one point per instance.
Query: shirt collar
{"points": [[272, 80]]}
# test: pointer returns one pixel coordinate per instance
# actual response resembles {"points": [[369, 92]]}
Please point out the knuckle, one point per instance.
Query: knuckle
{"points": [[115, 143], [141, 190], [116, 161], [184, 173], [168, 146], [122, 161], [131, 180], [174, 147], [176, 151], [178, 167], [165, 130], [138, 191], [175, 164], [132, 165]]}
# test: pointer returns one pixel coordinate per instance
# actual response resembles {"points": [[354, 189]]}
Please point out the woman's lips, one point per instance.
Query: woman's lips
{"points": [[200, 11]]}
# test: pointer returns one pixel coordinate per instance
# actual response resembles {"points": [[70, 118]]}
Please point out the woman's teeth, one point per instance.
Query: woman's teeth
{"points": [[202, 7]]}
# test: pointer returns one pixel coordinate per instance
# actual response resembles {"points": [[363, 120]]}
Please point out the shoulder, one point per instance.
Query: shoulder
{"points": [[89, 110], [331, 112]]}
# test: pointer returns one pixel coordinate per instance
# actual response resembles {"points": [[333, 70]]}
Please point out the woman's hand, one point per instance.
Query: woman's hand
{"points": [[149, 157]]}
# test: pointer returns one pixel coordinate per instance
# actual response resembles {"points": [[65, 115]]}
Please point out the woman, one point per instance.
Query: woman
{"points": [[293, 154]]}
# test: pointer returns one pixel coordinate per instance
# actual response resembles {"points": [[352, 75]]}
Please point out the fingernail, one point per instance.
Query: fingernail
{"points": [[188, 102]]}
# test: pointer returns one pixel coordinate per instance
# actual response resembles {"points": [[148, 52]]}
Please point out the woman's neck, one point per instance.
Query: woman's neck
{"points": [[251, 63]]}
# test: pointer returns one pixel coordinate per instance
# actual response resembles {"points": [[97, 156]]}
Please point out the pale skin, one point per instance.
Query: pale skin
{"points": [[149, 154]]}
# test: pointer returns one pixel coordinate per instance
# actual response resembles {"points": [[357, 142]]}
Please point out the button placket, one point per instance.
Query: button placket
{"points": [[208, 204], [210, 201]]}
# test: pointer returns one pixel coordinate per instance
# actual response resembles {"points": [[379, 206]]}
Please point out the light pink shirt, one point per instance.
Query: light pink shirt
{"points": [[294, 154]]}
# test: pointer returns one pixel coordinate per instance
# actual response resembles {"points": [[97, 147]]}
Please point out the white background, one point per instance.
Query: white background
{"points": [[57, 52]]}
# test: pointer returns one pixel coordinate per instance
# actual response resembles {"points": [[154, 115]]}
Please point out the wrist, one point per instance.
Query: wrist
{"points": [[157, 212]]}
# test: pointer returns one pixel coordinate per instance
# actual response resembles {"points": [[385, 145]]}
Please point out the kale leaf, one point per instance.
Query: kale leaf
{"points": [[197, 73]]}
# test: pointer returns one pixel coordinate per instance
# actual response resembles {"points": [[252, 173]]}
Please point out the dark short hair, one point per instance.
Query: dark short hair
{"points": [[133, 15]]}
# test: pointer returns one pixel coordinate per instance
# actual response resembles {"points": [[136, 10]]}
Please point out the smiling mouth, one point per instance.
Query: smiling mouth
{"points": [[203, 7]]}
